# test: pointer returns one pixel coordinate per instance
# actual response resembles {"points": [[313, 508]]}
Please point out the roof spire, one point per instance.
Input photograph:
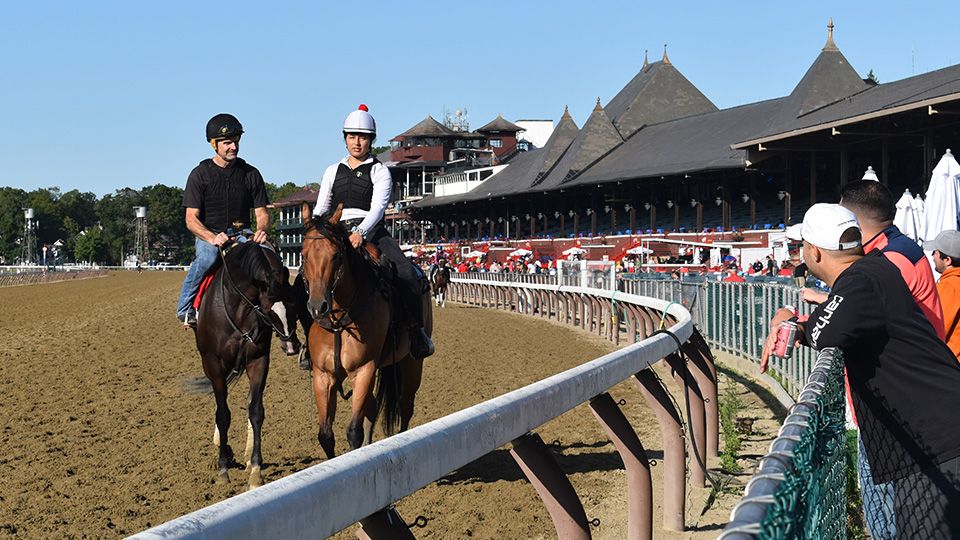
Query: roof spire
{"points": [[566, 112], [598, 107], [830, 46], [666, 60], [646, 58]]}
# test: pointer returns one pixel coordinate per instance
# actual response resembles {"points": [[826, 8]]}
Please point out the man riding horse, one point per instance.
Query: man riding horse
{"points": [[218, 198], [363, 185]]}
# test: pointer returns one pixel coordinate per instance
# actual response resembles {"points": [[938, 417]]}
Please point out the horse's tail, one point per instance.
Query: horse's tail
{"points": [[388, 398]]}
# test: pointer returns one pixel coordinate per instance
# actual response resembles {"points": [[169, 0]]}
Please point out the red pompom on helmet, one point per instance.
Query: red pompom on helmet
{"points": [[360, 121]]}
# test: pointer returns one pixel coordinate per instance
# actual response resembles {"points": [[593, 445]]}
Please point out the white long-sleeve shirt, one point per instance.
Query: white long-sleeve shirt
{"points": [[382, 187]]}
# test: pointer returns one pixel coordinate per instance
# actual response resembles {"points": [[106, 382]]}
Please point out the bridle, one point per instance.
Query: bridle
{"points": [[264, 317]]}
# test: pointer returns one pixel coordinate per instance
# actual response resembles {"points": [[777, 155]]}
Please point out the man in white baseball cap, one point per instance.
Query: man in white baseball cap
{"points": [[903, 377]]}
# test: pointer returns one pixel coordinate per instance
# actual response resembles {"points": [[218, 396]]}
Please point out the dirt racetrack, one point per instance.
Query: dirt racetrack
{"points": [[101, 439]]}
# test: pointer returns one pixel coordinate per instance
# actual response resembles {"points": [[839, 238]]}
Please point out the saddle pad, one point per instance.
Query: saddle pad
{"points": [[204, 285]]}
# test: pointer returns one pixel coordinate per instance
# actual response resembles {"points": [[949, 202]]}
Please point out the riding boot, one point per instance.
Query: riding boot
{"points": [[421, 346]]}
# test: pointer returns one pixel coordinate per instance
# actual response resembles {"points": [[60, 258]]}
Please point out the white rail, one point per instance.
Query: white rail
{"points": [[332, 495]]}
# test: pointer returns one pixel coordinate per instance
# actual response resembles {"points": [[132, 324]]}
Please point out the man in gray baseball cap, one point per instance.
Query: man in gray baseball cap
{"points": [[946, 260]]}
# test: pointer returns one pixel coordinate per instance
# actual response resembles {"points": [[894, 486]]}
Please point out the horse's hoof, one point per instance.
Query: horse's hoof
{"points": [[223, 478], [255, 479]]}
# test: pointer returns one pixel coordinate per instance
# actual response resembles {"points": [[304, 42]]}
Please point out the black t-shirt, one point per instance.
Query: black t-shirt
{"points": [[225, 196], [904, 380]]}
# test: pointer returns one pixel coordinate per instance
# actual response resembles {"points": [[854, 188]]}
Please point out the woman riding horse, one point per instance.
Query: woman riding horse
{"points": [[363, 185], [354, 193], [248, 301]]}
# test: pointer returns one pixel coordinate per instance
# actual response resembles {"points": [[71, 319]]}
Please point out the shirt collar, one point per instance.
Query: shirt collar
{"points": [[346, 160], [872, 243]]}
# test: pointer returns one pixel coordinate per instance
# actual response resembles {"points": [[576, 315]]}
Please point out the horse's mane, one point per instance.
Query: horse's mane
{"points": [[252, 263], [354, 258]]}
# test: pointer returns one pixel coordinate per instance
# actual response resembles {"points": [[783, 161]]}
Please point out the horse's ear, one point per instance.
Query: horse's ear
{"points": [[306, 216], [335, 217]]}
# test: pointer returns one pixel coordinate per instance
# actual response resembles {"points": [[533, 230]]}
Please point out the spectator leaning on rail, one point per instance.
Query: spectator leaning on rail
{"points": [[873, 204], [902, 376], [218, 198], [946, 259]]}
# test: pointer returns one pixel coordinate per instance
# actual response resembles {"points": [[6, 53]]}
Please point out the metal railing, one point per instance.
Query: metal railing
{"points": [[799, 488], [328, 497]]}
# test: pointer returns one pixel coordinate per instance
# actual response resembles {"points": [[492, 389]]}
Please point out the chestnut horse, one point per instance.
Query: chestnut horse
{"points": [[249, 300], [356, 334]]}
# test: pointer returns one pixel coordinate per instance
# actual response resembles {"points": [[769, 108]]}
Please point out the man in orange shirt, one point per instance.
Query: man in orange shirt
{"points": [[946, 259]]}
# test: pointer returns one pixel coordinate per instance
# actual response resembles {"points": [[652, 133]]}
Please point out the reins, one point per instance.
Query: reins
{"points": [[254, 334]]}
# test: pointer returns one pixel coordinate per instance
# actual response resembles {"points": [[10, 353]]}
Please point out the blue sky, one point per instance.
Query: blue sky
{"points": [[99, 96]]}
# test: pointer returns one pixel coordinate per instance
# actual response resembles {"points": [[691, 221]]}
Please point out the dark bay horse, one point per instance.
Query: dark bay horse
{"points": [[249, 300], [355, 335], [441, 278]]}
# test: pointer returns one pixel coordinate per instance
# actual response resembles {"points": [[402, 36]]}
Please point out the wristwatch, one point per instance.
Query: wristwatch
{"points": [[358, 229]]}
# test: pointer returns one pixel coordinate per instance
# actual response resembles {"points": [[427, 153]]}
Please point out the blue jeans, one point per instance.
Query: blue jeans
{"points": [[203, 261], [877, 500]]}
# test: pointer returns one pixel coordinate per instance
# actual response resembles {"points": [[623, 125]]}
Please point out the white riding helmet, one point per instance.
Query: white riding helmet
{"points": [[360, 121]]}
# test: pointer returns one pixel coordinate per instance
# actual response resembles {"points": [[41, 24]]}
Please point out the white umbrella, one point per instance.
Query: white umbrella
{"points": [[520, 252], [905, 219], [919, 217], [474, 253], [639, 250], [943, 197], [574, 251]]}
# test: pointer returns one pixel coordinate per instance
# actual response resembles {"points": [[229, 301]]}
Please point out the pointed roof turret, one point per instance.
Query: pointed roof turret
{"points": [[558, 142], [657, 94], [830, 79], [666, 59], [646, 59], [428, 127], [499, 124], [597, 137]]}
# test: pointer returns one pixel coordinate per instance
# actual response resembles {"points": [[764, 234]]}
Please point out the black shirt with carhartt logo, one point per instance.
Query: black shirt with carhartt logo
{"points": [[225, 196], [904, 380], [353, 187]]}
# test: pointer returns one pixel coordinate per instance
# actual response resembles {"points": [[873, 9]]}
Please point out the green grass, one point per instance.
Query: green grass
{"points": [[730, 406], [856, 528]]}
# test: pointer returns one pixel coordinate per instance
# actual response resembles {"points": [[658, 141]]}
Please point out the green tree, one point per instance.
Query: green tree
{"points": [[12, 202], [116, 216], [167, 233], [90, 246]]}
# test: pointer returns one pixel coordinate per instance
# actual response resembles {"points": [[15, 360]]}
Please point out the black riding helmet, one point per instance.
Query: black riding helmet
{"points": [[223, 126]]}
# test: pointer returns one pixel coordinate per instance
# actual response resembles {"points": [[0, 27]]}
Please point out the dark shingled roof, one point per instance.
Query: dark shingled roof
{"points": [[597, 137], [942, 83], [657, 94], [696, 143], [428, 127], [564, 134], [500, 124]]}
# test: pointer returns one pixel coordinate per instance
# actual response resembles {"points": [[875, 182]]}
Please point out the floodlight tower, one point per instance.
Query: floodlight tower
{"points": [[140, 249], [28, 246]]}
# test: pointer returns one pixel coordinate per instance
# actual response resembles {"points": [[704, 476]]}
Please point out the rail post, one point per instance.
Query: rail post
{"points": [[384, 525], [674, 458], [696, 417], [554, 488], [639, 482], [706, 375]]}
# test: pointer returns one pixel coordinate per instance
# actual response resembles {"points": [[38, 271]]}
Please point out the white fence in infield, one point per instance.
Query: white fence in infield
{"points": [[335, 494]]}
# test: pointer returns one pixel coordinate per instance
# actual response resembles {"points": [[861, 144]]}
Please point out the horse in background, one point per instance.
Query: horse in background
{"points": [[438, 283], [355, 334], [249, 300]]}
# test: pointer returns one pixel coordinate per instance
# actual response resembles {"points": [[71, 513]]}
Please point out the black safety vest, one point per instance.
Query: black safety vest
{"points": [[353, 187]]}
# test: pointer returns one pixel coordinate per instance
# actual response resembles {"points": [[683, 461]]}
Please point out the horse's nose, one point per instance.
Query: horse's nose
{"points": [[319, 309]]}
